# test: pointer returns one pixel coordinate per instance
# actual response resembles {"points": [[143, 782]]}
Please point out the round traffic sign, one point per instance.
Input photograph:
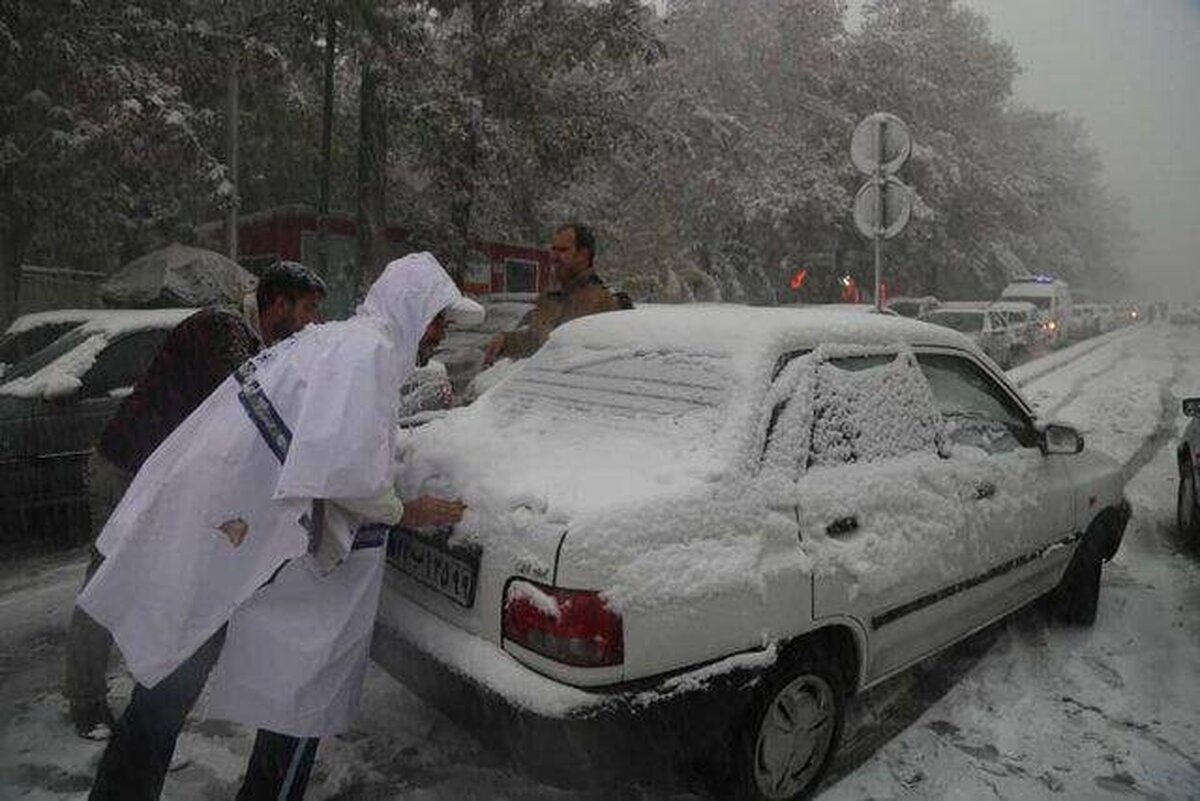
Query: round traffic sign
{"points": [[896, 208], [880, 142]]}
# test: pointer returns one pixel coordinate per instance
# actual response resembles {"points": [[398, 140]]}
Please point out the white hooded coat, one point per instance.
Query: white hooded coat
{"points": [[173, 577]]}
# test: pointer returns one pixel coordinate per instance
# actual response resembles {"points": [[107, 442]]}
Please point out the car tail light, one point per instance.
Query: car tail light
{"points": [[575, 627]]}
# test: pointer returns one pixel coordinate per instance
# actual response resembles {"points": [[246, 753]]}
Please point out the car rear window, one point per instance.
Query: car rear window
{"points": [[619, 384]]}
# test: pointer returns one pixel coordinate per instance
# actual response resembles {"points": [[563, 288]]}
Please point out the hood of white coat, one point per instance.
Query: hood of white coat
{"points": [[405, 298]]}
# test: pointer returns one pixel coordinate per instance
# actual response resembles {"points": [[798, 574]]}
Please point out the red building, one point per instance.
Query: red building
{"points": [[290, 233]]}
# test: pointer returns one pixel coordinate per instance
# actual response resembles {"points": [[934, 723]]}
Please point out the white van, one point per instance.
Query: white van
{"points": [[1052, 298]]}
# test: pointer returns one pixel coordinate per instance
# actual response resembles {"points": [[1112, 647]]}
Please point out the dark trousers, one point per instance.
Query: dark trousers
{"points": [[134, 764]]}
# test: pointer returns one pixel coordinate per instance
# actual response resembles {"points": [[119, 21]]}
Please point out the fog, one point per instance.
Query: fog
{"points": [[1131, 70]]}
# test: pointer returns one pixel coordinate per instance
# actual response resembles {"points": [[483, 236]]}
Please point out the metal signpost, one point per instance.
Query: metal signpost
{"points": [[879, 148]]}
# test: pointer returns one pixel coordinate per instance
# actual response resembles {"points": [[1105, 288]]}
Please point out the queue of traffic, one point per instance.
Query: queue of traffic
{"points": [[1032, 313]]}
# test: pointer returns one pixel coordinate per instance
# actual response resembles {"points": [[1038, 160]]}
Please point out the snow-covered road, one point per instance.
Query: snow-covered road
{"points": [[1026, 709]]}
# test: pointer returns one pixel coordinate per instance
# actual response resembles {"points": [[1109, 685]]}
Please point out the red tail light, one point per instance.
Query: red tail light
{"points": [[574, 627]]}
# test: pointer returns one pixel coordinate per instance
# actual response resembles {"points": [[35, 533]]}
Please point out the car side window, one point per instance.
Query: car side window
{"points": [[978, 412], [867, 408], [122, 363]]}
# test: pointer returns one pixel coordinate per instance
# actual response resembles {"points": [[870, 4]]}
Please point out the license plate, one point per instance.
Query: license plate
{"points": [[450, 570]]}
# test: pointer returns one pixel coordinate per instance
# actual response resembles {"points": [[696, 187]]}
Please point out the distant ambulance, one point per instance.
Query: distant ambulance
{"points": [[1051, 296]]}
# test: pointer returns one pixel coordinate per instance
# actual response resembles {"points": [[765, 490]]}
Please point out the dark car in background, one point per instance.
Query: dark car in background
{"points": [[463, 348], [29, 333], [53, 406]]}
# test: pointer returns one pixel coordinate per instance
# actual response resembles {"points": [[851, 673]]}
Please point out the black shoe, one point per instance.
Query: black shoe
{"points": [[93, 721]]}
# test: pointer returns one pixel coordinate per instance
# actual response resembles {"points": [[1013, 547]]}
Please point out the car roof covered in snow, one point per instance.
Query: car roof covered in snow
{"points": [[729, 329], [73, 354], [27, 322], [120, 321]]}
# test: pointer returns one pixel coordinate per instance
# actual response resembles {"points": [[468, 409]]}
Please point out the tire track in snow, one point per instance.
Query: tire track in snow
{"points": [[1081, 383], [1164, 432]]}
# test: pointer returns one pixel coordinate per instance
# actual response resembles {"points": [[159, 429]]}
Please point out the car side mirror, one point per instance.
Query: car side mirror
{"points": [[1191, 407], [1060, 439]]}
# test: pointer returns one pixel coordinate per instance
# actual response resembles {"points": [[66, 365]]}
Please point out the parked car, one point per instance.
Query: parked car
{"points": [[1051, 295], [913, 307], [1187, 507], [696, 531], [989, 329], [1022, 319], [29, 333], [53, 407], [1084, 321], [462, 350]]}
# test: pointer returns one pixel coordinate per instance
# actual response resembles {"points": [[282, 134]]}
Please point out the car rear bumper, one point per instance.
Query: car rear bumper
{"points": [[650, 731]]}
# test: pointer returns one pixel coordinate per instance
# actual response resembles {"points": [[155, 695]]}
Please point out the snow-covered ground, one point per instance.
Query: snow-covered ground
{"points": [[1027, 709]]}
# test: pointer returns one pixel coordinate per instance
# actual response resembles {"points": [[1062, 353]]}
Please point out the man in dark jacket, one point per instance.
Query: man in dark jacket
{"points": [[196, 357], [580, 293]]}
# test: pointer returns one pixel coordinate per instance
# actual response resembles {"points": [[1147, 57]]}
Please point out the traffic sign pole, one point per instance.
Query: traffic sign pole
{"points": [[881, 208], [880, 146]]}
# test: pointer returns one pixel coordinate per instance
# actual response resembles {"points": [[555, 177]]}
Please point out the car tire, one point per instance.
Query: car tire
{"points": [[790, 731], [1078, 594], [1187, 509]]}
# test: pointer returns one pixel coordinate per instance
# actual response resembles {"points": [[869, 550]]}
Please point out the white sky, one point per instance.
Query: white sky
{"points": [[1131, 70]]}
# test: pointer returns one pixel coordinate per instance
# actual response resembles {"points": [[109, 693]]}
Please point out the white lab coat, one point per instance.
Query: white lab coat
{"points": [[296, 649]]}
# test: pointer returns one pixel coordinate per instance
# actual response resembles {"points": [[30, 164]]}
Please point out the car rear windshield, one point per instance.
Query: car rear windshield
{"points": [[620, 387], [966, 322]]}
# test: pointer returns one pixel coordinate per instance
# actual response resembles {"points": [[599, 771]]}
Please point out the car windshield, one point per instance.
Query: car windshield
{"points": [[61, 346], [966, 322]]}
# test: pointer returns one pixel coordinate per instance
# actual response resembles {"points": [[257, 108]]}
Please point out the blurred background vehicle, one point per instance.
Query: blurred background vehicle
{"points": [[913, 307], [988, 328], [1052, 298], [53, 407], [462, 350], [29, 333]]}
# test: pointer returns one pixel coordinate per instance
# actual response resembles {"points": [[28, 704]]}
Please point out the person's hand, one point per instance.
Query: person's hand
{"points": [[494, 348], [430, 510]]}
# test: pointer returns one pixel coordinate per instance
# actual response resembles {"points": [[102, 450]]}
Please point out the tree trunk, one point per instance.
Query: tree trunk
{"points": [[326, 164], [231, 154], [466, 181], [15, 234], [371, 214]]}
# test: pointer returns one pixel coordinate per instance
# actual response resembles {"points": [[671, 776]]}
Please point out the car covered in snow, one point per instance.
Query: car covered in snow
{"points": [[913, 306], [463, 348], [53, 406], [693, 532], [1187, 507], [988, 328], [31, 332], [1024, 326]]}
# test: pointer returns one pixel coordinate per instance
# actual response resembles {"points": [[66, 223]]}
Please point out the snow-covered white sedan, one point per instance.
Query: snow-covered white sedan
{"points": [[694, 531]]}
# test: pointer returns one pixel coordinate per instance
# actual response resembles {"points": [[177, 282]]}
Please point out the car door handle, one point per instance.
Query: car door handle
{"points": [[984, 489], [843, 525]]}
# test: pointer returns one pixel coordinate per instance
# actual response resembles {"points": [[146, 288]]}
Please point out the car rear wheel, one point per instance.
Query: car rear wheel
{"points": [[789, 735], [1186, 513]]}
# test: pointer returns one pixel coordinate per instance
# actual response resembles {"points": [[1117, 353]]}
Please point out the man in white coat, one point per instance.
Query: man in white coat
{"points": [[252, 539]]}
